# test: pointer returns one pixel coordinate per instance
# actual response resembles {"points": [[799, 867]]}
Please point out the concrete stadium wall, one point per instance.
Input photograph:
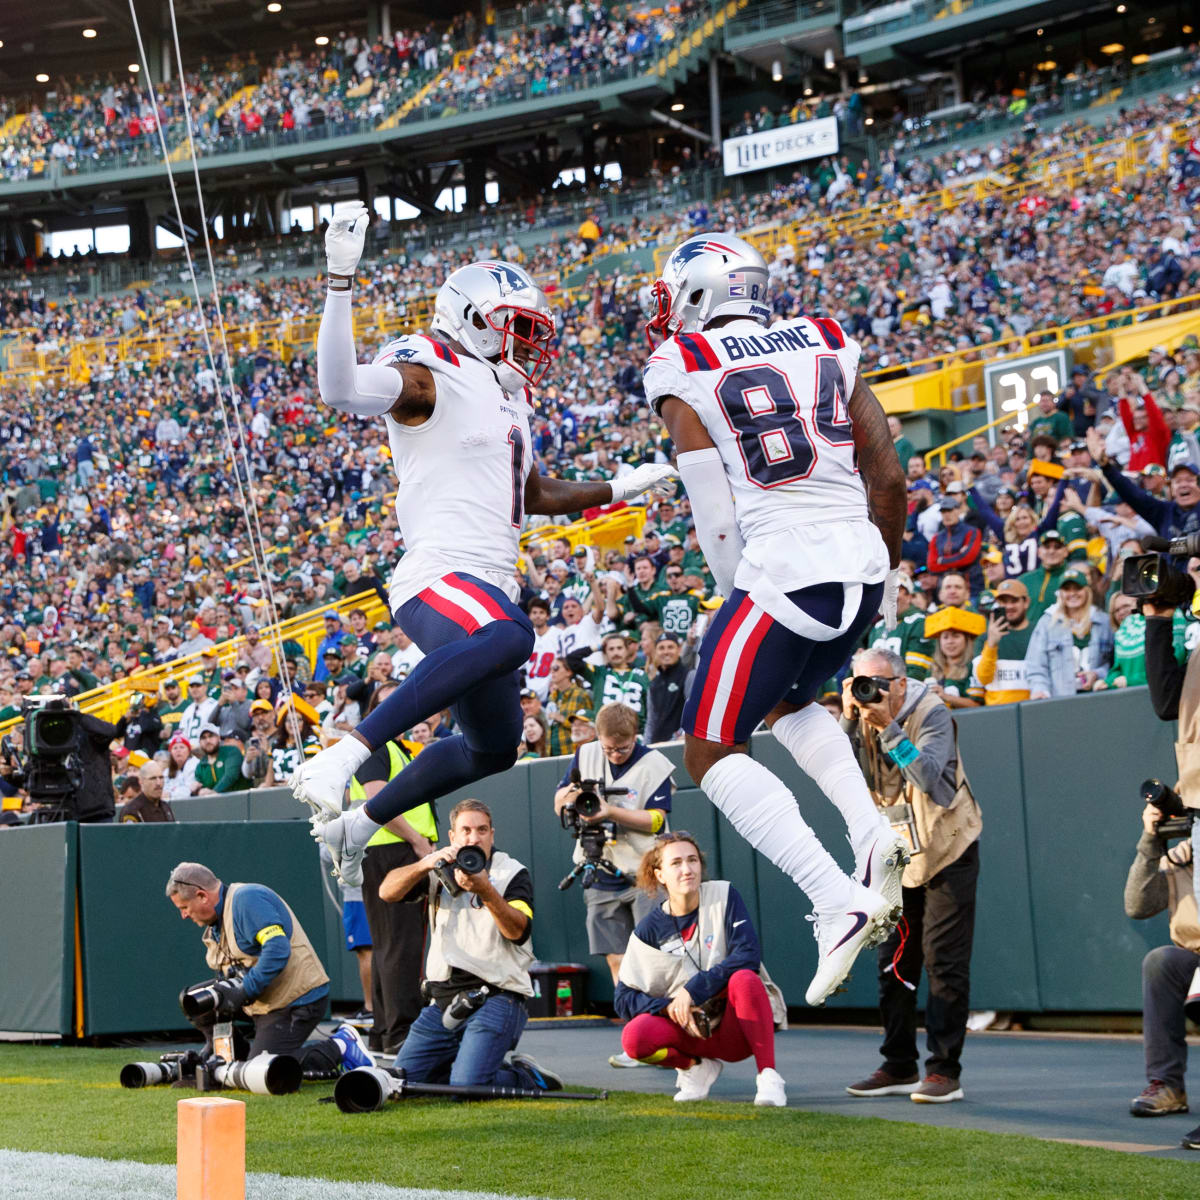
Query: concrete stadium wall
{"points": [[1057, 782]]}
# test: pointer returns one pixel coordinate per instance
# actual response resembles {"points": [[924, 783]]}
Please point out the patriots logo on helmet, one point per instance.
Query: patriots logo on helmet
{"points": [[508, 277], [694, 248]]}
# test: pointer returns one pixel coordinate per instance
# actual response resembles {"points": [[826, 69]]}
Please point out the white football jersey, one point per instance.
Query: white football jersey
{"points": [[776, 404], [460, 495], [547, 647]]}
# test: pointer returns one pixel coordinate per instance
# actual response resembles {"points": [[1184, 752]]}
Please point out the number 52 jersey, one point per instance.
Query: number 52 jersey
{"points": [[775, 403]]}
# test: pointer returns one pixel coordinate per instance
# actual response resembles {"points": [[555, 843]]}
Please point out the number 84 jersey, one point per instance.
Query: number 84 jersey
{"points": [[775, 403]]}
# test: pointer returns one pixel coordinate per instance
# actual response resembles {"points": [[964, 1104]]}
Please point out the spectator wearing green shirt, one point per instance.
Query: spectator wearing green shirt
{"points": [[668, 523], [638, 608], [905, 451], [84, 680], [615, 682], [1048, 421], [676, 608], [220, 768], [1129, 643], [1042, 583], [907, 637]]}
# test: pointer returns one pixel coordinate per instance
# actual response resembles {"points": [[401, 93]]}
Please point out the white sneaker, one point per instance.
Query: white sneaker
{"points": [[321, 782], [881, 866], [769, 1091], [624, 1060], [841, 935], [347, 858], [695, 1082]]}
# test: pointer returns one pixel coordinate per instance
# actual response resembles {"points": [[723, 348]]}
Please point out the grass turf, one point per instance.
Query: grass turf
{"points": [[68, 1100]]}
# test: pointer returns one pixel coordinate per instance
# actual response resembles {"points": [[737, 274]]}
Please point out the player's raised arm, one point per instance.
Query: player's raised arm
{"points": [[404, 390], [556, 497], [703, 475], [887, 498]]}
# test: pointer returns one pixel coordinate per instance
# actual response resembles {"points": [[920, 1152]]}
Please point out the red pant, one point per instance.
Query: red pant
{"points": [[746, 1029]]}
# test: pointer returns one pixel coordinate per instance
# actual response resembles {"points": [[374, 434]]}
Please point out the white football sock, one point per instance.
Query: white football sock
{"points": [[765, 813], [348, 752], [823, 752], [360, 829]]}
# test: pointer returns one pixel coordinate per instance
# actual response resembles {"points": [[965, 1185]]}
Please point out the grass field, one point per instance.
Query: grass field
{"points": [[68, 1100]]}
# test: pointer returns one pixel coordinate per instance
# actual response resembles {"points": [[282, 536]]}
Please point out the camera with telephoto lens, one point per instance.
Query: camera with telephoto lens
{"points": [[170, 1068], [215, 997], [869, 689], [470, 860], [1176, 816], [1155, 577]]}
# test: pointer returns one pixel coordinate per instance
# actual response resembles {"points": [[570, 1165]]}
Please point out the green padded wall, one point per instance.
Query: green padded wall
{"points": [[138, 953], [37, 942]]}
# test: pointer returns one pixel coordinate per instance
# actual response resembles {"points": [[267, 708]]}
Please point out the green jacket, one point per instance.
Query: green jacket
{"points": [[908, 640], [1043, 589], [225, 774]]}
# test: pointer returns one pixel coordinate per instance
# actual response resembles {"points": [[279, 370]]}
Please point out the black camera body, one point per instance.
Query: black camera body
{"points": [[1156, 578], [592, 837], [1177, 818], [470, 860], [869, 689]]}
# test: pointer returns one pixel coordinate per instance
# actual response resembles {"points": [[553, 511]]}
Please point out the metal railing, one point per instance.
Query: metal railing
{"points": [[763, 18]]}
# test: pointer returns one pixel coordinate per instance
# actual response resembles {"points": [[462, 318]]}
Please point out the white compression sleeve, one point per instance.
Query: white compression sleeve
{"points": [[703, 476], [824, 753], [365, 391], [765, 813]]}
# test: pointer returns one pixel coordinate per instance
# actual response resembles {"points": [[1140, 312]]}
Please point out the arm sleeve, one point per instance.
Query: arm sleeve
{"points": [[990, 517], [743, 952], [1164, 673], [629, 1002], [703, 476], [365, 391], [1160, 435], [1146, 891], [1051, 518], [262, 926], [519, 894], [985, 669], [1142, 503]]}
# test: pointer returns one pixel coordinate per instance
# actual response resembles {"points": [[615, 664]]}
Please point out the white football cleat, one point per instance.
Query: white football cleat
{"points": [[880, 868], [347, 858], [321, 782], [770, 1091], [695, 1082], [841, 935]]}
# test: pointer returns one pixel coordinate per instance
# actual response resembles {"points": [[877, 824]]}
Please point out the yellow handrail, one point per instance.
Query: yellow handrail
{"points": [[940, 452]]}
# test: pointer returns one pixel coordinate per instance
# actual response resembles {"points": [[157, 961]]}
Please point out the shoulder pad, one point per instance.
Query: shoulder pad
{"points": [[418, 348]]}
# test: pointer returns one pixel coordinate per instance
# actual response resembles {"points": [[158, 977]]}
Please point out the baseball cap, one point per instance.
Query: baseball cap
{"points": [[261, 706], [166, 682], [527, 692], [379, 626], [1013, 587], [1185, 464], [1079, 369], [228, 676], [331, 650], [332, 616], [667, 637], [993, 556], [209, 727], [630, 539], [1052, 535], [348, 639], [1076, 576], [179, 740], [584, 714], [1078, 444], [1156, 469], [946, 503], [580, 552], [196, 679]]}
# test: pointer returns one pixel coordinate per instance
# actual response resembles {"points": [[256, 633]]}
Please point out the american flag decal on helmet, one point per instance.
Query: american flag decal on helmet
{"points": [[737, 285]]}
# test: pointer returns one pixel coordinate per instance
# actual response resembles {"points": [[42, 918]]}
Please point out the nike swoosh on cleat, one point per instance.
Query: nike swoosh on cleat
{"points": [[866, 879], [860, 919]]}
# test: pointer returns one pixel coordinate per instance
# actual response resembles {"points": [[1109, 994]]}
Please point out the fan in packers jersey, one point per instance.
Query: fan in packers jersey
{"points": [[771, 429], [456, 406]]}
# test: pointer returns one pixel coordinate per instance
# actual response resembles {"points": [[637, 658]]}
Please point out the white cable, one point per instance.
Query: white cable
{"points": [[249, 508]]}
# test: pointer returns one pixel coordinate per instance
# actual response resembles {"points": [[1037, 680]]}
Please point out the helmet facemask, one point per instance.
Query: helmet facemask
{"points": [[525, 337]]}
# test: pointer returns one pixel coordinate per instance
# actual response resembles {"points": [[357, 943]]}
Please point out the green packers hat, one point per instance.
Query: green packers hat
{"points": [[348, 639], [1075, 576], [584, 714], [1052, 535]]}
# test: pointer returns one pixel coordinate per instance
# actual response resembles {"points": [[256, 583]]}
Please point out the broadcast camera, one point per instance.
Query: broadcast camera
{"points": [[1156, 578], [1176, 816], [470, 860], [592, 837]]}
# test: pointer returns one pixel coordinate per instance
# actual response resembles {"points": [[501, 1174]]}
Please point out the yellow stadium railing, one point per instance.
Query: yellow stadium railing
{"points": [[937, 456]]}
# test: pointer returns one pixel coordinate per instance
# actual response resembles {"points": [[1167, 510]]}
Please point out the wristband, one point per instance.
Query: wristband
{"points": [[903, 753]]}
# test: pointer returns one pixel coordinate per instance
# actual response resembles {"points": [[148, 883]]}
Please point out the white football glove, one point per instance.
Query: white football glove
{"points": [[658, 479], [891, 597], [344, 239]]}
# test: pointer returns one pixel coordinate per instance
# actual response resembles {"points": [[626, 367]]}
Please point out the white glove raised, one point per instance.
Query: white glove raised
{"points": [[656, 478], [344, 239], [891, 597]]}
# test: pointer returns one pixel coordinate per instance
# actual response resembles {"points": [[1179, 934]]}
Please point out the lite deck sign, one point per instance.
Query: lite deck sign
{"points": [[1014, 383], [777, 147]]}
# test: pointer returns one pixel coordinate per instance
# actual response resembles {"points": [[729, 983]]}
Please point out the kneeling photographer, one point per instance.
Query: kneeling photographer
{"points": [[907, 745], [477, 971], [614, 799], [267, 971]]}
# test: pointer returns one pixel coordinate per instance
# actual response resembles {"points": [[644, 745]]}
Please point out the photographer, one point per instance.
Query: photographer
{"points": [[477, 970], [907, 745], [631, 813], [268, 971], [1161, 878]]}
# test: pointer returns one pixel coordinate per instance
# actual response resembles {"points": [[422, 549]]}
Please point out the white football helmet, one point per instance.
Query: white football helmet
{"points": [[499, 316], [710, 275]]}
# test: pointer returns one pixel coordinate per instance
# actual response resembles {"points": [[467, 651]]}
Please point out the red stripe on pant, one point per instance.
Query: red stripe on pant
{"points": [[478, 595], [717, 667], [745, 667], [449, 610]]}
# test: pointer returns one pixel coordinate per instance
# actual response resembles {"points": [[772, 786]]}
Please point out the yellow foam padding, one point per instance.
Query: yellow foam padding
{"points": [[302, 707], [1053, 469], [138, 758], [658, 819], [521, 907], [972, 624], [267, 932]]}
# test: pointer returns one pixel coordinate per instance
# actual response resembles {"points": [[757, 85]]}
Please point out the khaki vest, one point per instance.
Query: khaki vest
{"points": [[656, 973], [301, 973], [465, 935], [420, 818], [1187, 749], [945, 833], [1181, 904], [626, 851]]}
